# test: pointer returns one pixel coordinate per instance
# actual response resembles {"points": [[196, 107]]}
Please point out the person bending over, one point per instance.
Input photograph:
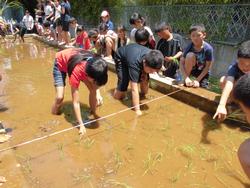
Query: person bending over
{"points": [[80, 66], [133, 64]]}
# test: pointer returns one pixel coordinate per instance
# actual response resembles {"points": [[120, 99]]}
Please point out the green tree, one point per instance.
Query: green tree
{"points": [[90, 11], [4, 4]]}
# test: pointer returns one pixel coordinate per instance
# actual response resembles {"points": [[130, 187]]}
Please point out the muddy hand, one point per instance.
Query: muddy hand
{"points": [[82, 130]]}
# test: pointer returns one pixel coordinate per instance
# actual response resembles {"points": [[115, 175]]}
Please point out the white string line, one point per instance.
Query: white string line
{"points": [[89, 122]]}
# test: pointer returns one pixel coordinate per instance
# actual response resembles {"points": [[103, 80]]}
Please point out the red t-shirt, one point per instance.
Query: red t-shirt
{"points": [[79, 41], [78, 73]]}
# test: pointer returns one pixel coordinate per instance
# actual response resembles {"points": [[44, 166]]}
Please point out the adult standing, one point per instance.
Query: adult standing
{"points": [[28, 22], [65, 17]]}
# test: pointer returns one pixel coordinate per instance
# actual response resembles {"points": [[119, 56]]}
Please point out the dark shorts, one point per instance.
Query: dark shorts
{"points": [[59, 77], [204, 81], [22, 31], [65, 26], [58, 22], [171, 68], [123, 77]]}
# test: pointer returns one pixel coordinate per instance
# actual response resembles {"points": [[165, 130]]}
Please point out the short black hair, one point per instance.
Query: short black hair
{"points": [[141, 35], [97, 68], [241, 91], [46, 24], [79, 28], [93, 33], [136, 16], [102, 27], [197, 27], [162, 26], [154, 59], [244, 50], [72, 19]]}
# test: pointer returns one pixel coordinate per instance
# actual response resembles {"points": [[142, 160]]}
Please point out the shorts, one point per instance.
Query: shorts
{"points": [[59, 76], [171, 68], [22, 31], [204, 81], [123, 77], [65, 26], [58, 22], [65, 22]]}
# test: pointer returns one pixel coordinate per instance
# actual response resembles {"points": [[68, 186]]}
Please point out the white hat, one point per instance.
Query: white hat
{"points": [[104, 13]]}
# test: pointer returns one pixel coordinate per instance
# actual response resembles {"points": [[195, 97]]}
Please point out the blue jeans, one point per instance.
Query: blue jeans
{"points": [[59, 77]]}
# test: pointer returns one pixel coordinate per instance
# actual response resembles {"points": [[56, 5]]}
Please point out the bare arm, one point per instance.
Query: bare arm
{"points": [[221, 111], [92, 96], [76, 105], [182, 67], [109, 46], [135, 97]]}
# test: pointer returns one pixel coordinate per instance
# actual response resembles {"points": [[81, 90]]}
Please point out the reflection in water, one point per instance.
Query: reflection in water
{"points": [[7, 64], [33, 50]]}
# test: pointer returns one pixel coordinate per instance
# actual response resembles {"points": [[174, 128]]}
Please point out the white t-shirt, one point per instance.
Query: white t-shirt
{"points": [[58, 12], [28, 22], [48, 10]]}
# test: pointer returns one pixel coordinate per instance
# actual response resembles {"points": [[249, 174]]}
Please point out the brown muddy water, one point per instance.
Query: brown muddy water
{"points": [[170, 145]]}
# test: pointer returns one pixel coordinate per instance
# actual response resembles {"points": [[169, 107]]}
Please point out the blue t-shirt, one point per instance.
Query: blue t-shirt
{"points": [[234, 71], [110, 25], [202, 56]]}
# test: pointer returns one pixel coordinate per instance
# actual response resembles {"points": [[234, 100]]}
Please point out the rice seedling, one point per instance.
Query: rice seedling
{"points": [[26, 166], [187, 150], [118, 161], [60, 148], [129, 147], [221, 181], [169, 144], [82, 178], [237, 115], [173, 179], [165, 126], [206, 155], [88, 142], [202, 185], [112, 182], [190, 165], [151, 161], [211, 124]]}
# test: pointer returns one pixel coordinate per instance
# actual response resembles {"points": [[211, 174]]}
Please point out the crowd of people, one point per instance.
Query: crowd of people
{"points": [[136, 56]]}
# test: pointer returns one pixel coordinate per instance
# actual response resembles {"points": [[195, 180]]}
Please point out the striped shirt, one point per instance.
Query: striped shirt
{"points": [[170, 47]]}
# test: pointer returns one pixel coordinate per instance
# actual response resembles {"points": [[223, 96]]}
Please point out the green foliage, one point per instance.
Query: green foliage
{"points": [[4, 4], [89, 11], [173, 2]]}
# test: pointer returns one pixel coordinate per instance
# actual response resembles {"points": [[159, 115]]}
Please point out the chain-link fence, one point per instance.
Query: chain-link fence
{"points": [[228, 23]]}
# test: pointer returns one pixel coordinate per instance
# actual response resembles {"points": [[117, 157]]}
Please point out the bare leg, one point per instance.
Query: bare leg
{"points": [[58, 100], [243, 154], [144, 86], [119, 94], [190, 62]]}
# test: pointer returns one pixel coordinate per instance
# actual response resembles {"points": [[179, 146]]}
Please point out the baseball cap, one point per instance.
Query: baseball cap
{"points": [[104, 13]]}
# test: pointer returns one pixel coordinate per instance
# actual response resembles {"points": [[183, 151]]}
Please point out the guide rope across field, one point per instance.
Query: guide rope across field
{"points": [[89, 122]]}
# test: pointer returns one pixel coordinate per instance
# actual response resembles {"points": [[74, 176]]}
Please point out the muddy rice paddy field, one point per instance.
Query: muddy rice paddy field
{"points": [[171, 145]]}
